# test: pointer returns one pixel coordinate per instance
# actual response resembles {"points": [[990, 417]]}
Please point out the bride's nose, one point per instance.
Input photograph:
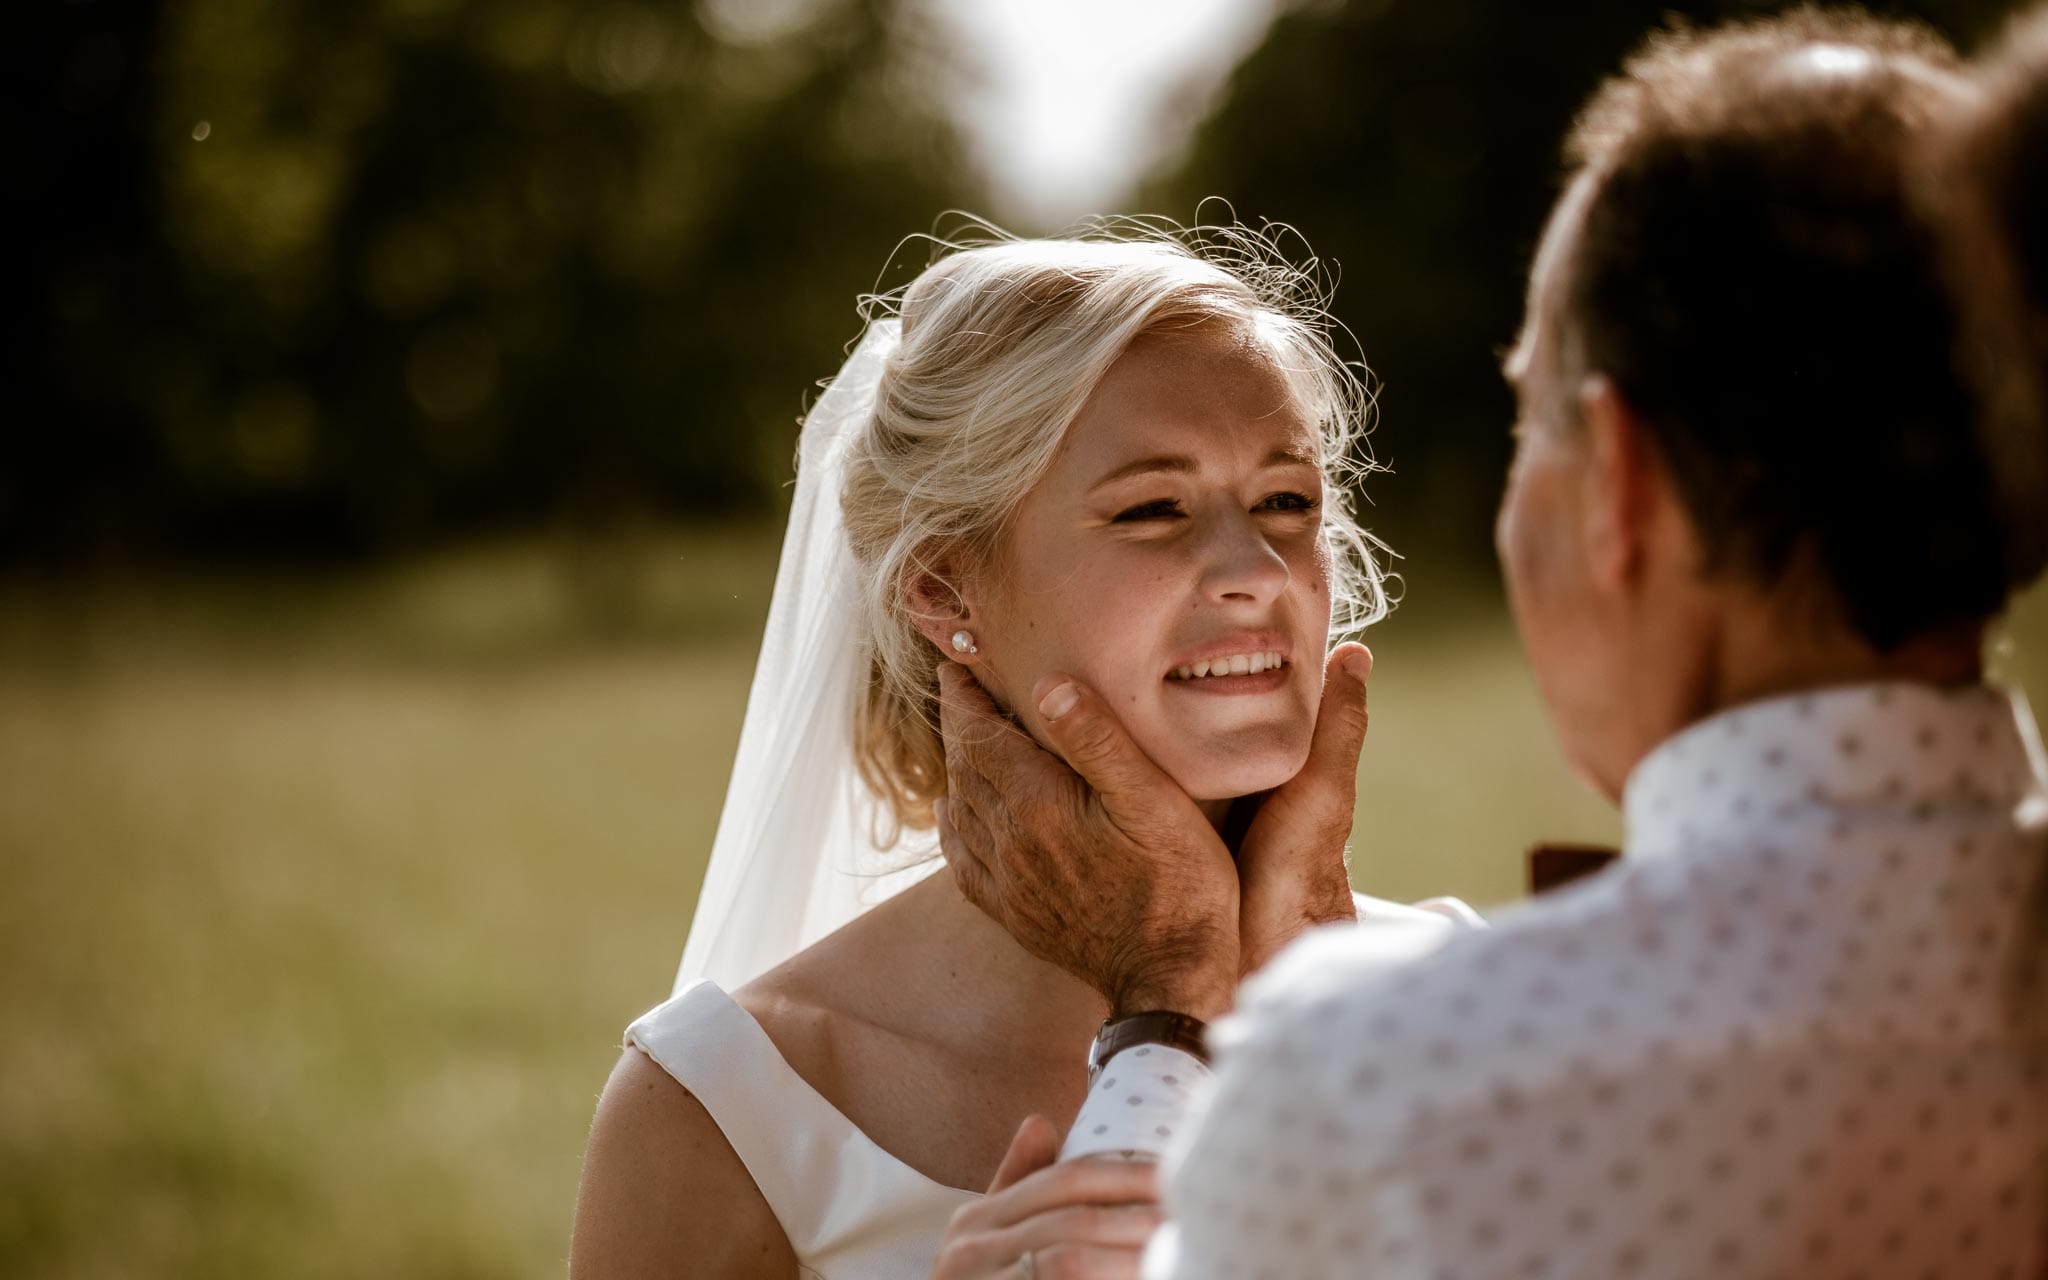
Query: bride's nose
{"points": [[1238, 563]]}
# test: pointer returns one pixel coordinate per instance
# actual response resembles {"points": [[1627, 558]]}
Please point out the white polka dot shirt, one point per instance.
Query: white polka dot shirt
{"points": [[1133, 1112], [1796, 1032]]}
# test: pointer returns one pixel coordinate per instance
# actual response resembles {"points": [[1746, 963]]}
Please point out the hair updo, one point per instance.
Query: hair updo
{"points": [[1001, 344]]}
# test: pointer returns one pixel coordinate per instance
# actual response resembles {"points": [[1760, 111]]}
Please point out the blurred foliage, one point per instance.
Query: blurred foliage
{"points": [[317, 279], [323, 279], [1416, 144]]}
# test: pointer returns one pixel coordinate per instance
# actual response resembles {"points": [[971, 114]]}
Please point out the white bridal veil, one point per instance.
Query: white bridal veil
{"points": [[795, 858]]}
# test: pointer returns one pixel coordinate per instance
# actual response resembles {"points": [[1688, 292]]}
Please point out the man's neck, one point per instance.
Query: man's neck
{"points": [[1751, 652], [1765, 657]]}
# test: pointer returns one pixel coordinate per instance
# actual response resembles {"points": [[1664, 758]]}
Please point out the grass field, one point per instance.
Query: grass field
{"points": [[326, 900]]}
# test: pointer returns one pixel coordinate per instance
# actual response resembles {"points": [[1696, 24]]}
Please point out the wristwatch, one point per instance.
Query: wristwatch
{"points": [[1158, 1026]]}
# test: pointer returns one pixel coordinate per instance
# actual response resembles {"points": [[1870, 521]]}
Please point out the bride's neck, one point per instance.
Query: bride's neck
{"points": [[992, 988], [988, 978]]}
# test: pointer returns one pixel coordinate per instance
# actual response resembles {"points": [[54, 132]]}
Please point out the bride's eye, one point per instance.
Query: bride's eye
{"points": [[1164, 509], [1288, 502]]}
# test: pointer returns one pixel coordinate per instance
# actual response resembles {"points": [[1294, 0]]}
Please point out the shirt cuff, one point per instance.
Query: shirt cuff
{"points": [[1136, 1105]]}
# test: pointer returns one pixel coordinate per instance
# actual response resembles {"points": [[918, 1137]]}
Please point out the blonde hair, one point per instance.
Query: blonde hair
{"points": [[1002, 341]]}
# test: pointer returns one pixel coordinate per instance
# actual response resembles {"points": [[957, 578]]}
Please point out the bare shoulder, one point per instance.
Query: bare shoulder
{"points": [[800, 1007], [663, 1192], [842, 989]]}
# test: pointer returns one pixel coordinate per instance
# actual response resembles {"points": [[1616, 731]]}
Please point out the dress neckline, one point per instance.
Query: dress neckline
{"points": [[824, 1104]]}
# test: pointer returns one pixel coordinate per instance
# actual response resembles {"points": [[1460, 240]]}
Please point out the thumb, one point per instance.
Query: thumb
{"points": [[1341, 722], [1036, 1145], [1082, 728]]}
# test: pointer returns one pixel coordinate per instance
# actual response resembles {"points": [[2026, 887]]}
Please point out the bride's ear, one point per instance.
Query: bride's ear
{"points": [[942, 613]]}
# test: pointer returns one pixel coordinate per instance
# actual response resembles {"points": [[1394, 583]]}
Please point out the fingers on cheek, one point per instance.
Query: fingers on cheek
{"points": [[968, 815], [973, 834], [969, 809], [1057, 844], [982, 794]]}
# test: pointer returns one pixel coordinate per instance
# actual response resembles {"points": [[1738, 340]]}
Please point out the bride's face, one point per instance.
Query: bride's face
{"points": [[1177, 531]]}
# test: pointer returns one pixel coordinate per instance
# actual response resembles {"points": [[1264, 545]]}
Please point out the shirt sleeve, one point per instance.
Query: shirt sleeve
{"points": [[1137, 1105], [1275, 1174], [1146, 1095], [1234, 1188]]}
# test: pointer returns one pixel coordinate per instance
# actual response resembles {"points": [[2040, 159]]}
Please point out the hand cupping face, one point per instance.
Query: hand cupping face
{"points": [[1104, 868], [1100, 864]]}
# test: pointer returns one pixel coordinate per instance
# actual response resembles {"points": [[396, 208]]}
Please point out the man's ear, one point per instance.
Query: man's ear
{"points": [[1625, 486], [940, 609]]}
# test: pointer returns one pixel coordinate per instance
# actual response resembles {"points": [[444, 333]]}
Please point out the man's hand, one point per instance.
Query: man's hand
{"points": [[1106, 868], [1290, 867], [1085, 1218]]}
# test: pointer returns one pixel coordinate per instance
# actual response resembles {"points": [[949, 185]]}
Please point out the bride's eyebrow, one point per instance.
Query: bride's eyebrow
{"points": [[1181, 464], [1171, 463]]}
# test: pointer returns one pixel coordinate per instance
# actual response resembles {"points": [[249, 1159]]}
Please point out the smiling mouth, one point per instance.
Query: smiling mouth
{"points": [[1236, 664]]}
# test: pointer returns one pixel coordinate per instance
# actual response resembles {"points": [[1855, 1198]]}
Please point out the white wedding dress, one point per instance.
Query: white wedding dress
{"points": [[851, 1210]]}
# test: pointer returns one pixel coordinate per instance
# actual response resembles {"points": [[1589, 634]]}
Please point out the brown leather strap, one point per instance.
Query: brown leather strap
{"points": [[1552, 866], [1158, 1026]]}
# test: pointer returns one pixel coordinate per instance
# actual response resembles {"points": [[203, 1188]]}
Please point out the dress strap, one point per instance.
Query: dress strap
{"points": [[825, 1180]]}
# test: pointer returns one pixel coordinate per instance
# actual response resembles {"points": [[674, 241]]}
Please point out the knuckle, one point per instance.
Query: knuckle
{"points": [[1326, 801]]}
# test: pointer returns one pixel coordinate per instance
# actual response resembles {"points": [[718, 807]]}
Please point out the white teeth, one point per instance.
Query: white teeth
{"points": [[1236, 665]]}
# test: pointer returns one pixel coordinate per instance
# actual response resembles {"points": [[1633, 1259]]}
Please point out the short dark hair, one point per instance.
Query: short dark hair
{"points": [[2012, 136], [2000, 164], [1758, 278]]}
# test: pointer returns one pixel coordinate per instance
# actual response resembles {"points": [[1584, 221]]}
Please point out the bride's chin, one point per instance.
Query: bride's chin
{"points": [[1233, 776]]}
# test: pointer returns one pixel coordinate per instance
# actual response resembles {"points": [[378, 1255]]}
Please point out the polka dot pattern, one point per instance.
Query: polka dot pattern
{"points": [[1783, 1038], [1141, 1098]]}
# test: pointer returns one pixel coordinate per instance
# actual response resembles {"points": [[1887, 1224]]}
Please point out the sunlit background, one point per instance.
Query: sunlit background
{"points": [[390, 516]]}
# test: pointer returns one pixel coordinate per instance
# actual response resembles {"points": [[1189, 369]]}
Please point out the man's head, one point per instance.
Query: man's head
{"points": [[1746, 463]]}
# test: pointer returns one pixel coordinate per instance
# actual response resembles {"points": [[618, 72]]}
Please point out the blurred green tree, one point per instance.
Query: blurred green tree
{"points": [[1416, 144], [342, 278]]}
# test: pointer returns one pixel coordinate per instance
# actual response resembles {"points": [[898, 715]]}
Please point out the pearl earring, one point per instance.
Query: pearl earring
{"points": [[963, 642]]}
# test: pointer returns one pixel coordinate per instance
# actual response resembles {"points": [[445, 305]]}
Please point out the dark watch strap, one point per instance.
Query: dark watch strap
{"points": [[1553, 866], [1158, 1026]]}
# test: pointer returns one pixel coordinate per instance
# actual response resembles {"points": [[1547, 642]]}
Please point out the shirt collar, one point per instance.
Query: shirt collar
{"points": [[1915, 748]]}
